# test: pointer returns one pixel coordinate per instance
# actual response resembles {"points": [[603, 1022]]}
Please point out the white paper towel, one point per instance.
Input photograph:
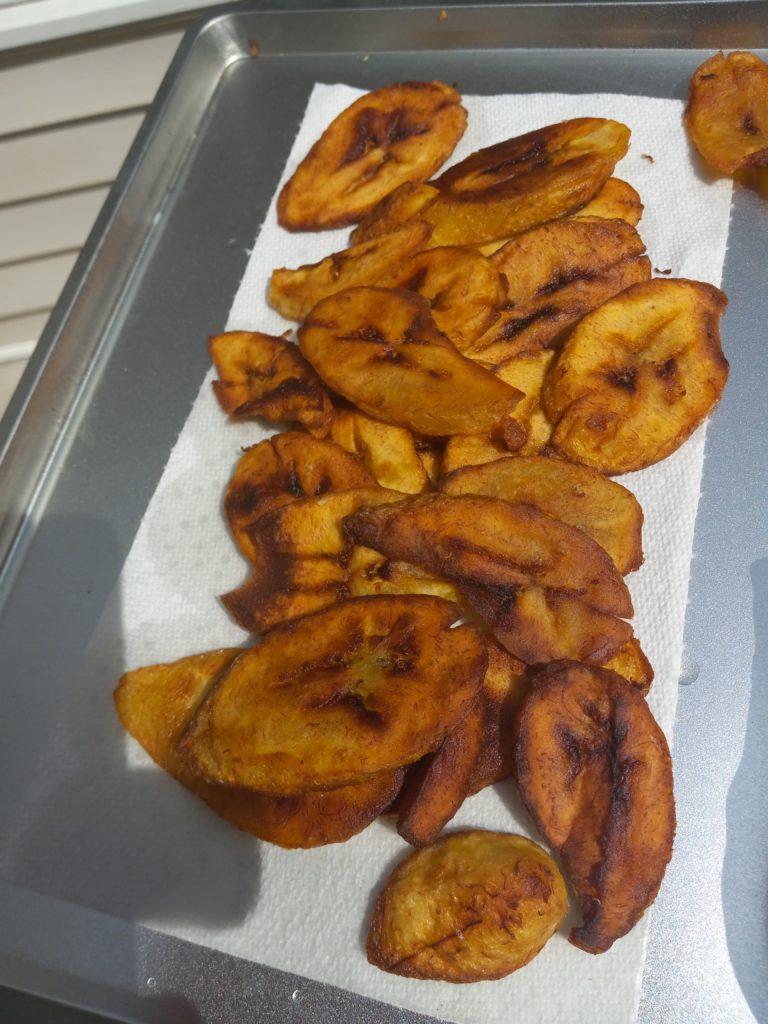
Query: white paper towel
{"points": [[184, 872]]}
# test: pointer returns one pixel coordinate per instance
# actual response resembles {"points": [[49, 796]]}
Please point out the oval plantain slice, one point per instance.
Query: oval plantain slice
{"points": [[281, 469], [595, 772], [577, 495], [293, 293], [402, 204], [369, 685], [514, 185], [155, 704], [398, 133], [473, 906], [638, 375], [266, 376], [381, 350]]}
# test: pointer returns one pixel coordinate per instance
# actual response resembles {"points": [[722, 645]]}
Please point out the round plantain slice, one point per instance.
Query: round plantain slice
{"points": [[381, 350], [595, 772], [396, 134], [367, 686], [473, 906], [638, 375]]}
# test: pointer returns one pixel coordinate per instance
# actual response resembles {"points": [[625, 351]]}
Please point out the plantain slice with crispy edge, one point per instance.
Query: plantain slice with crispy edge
{"points": [[638, 375], [281, 469], [293, 293], [381, 350], [400, 205], [471, 450], [514, 185], [398, 133], [505, 683], [300, 558], [367, 686], [594, 770], [473, 906], [155, 704], [390, 453], [632, 663], [477, 541], [265, 376], [727, 112], [617, 199], [577, 495]]}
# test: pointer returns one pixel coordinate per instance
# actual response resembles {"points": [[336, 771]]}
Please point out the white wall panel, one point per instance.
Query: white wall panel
{"points": [[33, 285], [48, 225]]}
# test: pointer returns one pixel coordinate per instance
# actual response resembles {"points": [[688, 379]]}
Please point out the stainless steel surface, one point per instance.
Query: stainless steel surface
{"points": [[87, 437]]}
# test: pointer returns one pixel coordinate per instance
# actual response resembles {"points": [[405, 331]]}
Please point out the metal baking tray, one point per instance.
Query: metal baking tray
{"points": [[86, 437]]}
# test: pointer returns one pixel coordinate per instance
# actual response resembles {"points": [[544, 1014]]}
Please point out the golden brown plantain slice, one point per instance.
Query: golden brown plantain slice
{"points": [[367, 686], [471, 450], [464, 289], [505, 683], [472, 907], [615, 200], [477, 541], [265, 376], [402, 204], [293, 293], [380, 349], [156, 704], [528, 372], [631, 663], [594, 770], [578, 495], [300, 559], [390, 453], [398, 133], [727, 112], [369, 572], [637, 376], [281, 469], [515, 185]]}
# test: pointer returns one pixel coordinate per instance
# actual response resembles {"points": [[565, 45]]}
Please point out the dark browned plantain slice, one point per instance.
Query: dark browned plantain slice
{"points": [[638, 375], [156, 704], [265, 376], [472, 907], [505, 683], [578, 495], [595, 772], [364, 687], [402, 204], [396, 134], [381, 350], [515, 185], [390, 453], [281, 469]]}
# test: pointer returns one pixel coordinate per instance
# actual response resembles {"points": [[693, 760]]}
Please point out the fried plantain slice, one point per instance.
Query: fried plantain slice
{"points": [[402, 204], [474, 906], [399, 133], [727, 112], [638, 375], [390, 453], [281, 469], [595, 772], [265, 376], [471, 450], [370, 572], [156, 704], [528, 372], [556, 274], [577, 495], [631, 663], [478, 541], [369, 685], [505, 683], [508, 188], [300, 559], [381, 350], [615, 200], [293, 293], [464, 290]]}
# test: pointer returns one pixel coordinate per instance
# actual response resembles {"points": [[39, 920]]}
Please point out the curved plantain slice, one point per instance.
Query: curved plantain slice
{"points": [[474, 906], [615, 200], [402, 204], [637, 376], [265, 376], [398, 133], [508, 188], [595, 772], [390, 453], [727, 112], [528, 372], [369, 572], [381, 350], [631, 663], [477, 541], [577, 495], [367, 686], [505, 683], [464, 290], [156, 704], [281, 469], [293, 293]]}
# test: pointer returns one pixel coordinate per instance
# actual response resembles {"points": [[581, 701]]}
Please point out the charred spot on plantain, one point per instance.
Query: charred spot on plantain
{"points": [[369, 333], [571, 747], [748, 123], [535, 153], [624, 378], [600, 421], [374, 129], [512, 328], [567, 277]]}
